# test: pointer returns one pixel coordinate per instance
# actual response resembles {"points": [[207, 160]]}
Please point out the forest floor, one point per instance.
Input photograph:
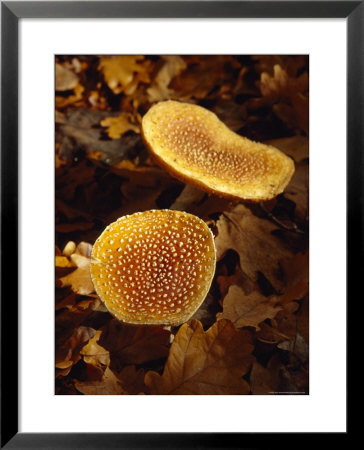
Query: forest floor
{"points": [[251, 334]]}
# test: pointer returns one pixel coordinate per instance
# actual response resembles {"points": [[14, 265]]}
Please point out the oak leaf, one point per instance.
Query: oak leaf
{"points": [[282, 327], [68, 352], [248, 310], [121, 71], [296, 275], [108, 385], [295, 146], [211, 362], [63, 266], [251, 237], [131, 344], [173, 66], [132, 380], [266, 380], [80, 279], [76, 98], [117, 126], [94, 354], [297, 190], [287, 95], [66, 79]]}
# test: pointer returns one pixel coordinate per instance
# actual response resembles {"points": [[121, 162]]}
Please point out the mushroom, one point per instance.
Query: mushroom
{"points": [[192, 144], [154, 267]]}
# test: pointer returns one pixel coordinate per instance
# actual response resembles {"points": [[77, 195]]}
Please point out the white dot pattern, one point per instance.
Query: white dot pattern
{"points": [[194, 143], [154, 267]]}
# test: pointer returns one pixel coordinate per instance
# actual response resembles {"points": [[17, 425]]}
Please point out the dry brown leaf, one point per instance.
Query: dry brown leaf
{"points": [[248, 310], [295, 146], [282, 85], [80, 279], [303, 319], [73, 99], [84, 249], [63, 266], [297, 190], [94, 354], [188, 197], [68, 352], [204, 74], [266, 380], [251, 237], [287, 95], [296, 274], [69, 248], [66, 79], [132, 380], [133, 344], [297, 345], [117, 126], [144, 187], [121, 71], [159, 91], [237, 278], [283, 326], [199, 362], [66, 302], [292, 64], [108, 385]]}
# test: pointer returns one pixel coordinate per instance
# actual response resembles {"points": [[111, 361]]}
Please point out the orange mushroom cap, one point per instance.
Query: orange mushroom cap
{"points": [[192, 144], [154, 267]]}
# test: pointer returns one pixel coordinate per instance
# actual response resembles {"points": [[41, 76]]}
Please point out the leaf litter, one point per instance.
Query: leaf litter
{"points": [[251, 334]]}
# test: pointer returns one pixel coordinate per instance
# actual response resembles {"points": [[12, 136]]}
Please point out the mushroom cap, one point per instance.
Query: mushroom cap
{"points": [[192, 144], [154, 267]]}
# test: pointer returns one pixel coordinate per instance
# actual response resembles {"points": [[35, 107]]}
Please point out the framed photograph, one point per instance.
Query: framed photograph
{"points": [[195, 168]]}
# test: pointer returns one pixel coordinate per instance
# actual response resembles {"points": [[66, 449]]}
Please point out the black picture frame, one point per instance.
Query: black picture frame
{"points": [[11, 12]]}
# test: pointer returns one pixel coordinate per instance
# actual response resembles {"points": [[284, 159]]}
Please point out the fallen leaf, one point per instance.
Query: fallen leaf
{"points": [[206, 313], [80, 279], [82, 130], [283, 326], [133, 344], [117, 126], [292, 64], [286, 94], [203, 75], [75, 98], [68, 351], [297, 346], [248, 310], [94, 354], [297, 191], [120, 71], [84, 249], [132, 380], [209, 363], [238, 278], [159, 91], [251, 237], [108, 385], [66, 79], [63, 266], [295, 146], [74, 226], [69, 248], [303, 319], [296, 274], [266, 380]]}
